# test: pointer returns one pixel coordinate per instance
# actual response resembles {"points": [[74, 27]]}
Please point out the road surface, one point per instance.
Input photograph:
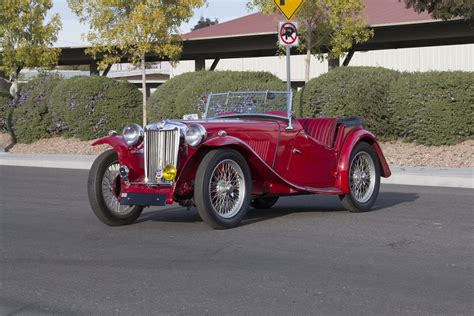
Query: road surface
{"points": [[412, 255]]}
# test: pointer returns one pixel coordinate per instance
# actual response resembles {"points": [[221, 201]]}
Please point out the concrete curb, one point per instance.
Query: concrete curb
{"points": [[434, 177], [424, 176], [82, 162]]}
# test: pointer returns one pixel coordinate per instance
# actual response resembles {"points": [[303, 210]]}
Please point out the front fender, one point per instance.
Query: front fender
{"points": [[263, 176], [132, 158], [350, 142], [116, 142]]}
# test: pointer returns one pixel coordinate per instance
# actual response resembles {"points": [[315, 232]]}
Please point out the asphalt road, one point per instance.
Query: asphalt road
{"points": [[412, 255]]}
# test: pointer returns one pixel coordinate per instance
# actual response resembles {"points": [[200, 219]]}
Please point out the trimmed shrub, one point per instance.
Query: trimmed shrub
{"points": [[434, 108], [30, 115], [5, 110], [187, 93], [89, 107], [350, 91]]}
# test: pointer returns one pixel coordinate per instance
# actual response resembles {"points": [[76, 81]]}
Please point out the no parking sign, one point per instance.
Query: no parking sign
{"points": [[288, 34]]}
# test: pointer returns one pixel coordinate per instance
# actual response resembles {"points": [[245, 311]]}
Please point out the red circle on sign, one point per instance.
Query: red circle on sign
{"points": [[293, 36]]}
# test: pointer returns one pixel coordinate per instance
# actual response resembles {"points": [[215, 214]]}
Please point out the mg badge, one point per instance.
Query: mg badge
{"points": [[161, 124], [158, 174]]}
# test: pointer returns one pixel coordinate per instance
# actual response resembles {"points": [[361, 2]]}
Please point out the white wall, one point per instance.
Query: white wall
{"points": [[456, 57], [275, 65]]}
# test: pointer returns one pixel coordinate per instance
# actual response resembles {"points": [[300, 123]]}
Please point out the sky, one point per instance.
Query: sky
{"points": [[71, 33]]}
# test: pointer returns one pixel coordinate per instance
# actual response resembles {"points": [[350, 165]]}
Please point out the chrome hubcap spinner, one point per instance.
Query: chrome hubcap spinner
{"points": [[362, 177], [227, 188]]}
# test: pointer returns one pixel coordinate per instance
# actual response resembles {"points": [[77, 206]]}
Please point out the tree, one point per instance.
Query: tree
{"points": [[444, 9], [25, 39], [132, 29], [326, 25], [204, 22]]}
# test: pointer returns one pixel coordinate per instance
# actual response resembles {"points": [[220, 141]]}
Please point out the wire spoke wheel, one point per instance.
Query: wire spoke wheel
{"points": [[111, 191], [227, 188], [104, 191], [362, 177]]}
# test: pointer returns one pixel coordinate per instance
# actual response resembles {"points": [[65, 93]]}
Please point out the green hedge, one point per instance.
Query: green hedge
{"points": [[30, 117], [350, 91], [89, 107], [187, 93], [5, 109], [433, 108]]}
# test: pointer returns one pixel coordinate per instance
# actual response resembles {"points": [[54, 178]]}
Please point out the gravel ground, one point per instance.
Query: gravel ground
{"points": [[397, 153]]}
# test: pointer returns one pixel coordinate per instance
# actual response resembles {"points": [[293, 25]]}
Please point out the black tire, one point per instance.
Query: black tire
{"points": [[349, 202], [263, 203], [202, 197], [96, 197]]}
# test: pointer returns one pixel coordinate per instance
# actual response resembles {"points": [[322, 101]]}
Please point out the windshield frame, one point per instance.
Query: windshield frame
{"points": [[289, 104]]}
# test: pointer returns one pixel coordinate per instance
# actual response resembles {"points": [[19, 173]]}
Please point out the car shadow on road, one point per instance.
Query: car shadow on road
{"points": [[286, 206], [172, 215], [390, 199]]}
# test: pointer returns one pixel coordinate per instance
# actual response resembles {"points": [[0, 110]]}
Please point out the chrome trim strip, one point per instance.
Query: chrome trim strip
{"points": [[145, 154], [244, 115], [163, 184]]}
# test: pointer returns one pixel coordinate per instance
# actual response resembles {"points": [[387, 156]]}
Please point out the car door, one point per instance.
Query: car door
{"points": [[311, 163]]}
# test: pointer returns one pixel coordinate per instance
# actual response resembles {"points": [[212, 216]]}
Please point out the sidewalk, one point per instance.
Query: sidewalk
{"points": [[426, 176]]}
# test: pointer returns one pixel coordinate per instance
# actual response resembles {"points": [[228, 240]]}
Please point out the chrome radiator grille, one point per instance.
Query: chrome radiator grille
{"points": [[161, 148]]}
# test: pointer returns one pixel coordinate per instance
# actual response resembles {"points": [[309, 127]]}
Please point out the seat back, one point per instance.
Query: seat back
{"points": [[322, 129]]}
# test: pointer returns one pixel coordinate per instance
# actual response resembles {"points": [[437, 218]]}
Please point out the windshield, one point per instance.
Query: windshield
{"points": [[247, 103]]}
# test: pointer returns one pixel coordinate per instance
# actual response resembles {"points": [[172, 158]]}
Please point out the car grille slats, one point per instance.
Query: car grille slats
{"points": [[161, 149]]}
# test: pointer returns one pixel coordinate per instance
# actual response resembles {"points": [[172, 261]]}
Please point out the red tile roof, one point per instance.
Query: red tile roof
{"points": [[376, 12]]}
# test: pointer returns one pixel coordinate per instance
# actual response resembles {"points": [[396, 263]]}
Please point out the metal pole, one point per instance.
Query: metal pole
{"points": [[288, 69], [288, 86]]}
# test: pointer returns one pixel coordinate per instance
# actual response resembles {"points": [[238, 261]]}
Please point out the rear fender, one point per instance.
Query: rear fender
{"points": [[355, 136]]}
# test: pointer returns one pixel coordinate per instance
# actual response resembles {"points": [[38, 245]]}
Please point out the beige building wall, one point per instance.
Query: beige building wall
{"points": [[455, 57]]}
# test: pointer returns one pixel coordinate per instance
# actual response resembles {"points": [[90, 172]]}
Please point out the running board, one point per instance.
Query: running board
{"points": [[333, 191]]}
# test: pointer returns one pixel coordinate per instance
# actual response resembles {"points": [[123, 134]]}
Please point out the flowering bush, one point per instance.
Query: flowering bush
{"points": [[5, 110], [89, 107], [30, 117]]}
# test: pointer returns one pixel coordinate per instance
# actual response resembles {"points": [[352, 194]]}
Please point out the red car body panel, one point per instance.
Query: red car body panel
{"points": [[282, 161]]}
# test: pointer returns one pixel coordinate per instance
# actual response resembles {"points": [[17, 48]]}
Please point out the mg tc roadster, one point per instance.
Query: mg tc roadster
{"points": [[246, 150]]}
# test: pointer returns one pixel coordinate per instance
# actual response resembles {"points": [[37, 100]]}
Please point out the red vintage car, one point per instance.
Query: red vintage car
{"points": [[248, 150]]}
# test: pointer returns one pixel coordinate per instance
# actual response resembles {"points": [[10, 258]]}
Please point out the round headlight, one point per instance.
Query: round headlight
{"points": [[195, 133], [132, 134]]}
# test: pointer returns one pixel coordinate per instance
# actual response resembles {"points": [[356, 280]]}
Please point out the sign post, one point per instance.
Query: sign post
{"points": [[288, 37], [288, 69]]}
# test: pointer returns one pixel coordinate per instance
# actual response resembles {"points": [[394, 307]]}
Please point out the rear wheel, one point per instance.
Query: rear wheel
{"points": [[364, 179], [222, 188], [104, 188], [264, 202]]}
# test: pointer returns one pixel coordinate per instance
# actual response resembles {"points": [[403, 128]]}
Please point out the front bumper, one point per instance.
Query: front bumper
{"points": [[146, 194]]}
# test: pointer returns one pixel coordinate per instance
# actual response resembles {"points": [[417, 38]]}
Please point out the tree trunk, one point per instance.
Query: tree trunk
{"points": [[307, 61], [144, 91], [14, 88]]}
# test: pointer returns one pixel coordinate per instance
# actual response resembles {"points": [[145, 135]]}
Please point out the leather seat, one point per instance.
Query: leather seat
{"points": [[323, 129]]}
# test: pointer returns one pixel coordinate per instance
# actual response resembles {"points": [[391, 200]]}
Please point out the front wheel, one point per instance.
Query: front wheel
{"points": [[364, 179], [104, 188], [222, 189]]}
